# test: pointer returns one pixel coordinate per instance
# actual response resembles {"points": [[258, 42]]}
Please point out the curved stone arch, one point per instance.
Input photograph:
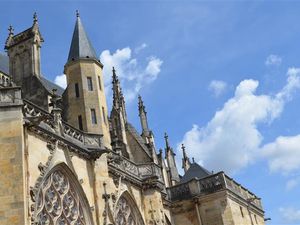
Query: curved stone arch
{"points": [[61, 200], [126, 211]]}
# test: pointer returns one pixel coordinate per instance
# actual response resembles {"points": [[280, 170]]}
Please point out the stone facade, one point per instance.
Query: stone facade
{"points": [[54, 170]]}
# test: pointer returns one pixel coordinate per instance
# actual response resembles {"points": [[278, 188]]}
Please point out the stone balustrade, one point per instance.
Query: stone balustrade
{"points": [[211, 184], [138, 171], [69, 132]]}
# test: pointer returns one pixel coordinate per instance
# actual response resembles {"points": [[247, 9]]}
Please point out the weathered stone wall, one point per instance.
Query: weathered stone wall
{"points": [[244, 214], [12, 199], [218, 208], [91, 175]]}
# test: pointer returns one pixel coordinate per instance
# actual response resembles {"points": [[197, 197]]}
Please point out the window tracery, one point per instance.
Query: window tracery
{"points": [[126, 213], [59, 203]]}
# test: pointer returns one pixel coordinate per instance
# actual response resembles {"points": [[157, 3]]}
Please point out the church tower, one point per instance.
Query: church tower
{"points": [[86, 107], [23, 50]]}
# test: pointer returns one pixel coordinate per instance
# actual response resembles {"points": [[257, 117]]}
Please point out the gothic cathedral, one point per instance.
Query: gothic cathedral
{"points": [[65, 159]]}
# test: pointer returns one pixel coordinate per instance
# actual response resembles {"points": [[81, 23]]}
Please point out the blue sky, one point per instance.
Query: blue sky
{"points": [[220, 76]]}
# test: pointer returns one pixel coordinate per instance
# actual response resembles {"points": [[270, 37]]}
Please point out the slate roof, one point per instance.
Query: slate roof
{"points": [[81, 47], [4, 64], [195, 171], [50, 86], [138, 138]]}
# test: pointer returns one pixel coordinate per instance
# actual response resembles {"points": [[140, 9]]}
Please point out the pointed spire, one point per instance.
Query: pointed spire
{"points": [[117, 91], [118, 98], [185, 160], [141, 105], [183, 151], [143, 119], [81, 47], [170, 157]]}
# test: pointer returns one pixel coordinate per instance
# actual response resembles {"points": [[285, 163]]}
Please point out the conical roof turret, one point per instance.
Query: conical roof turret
{"points": [[81, 46]]}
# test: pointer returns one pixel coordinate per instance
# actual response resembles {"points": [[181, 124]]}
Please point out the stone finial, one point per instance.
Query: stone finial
{"points": [[54, 98], [141, 105], [35, 18], [193, 160], [183, 147], [184, 152], [77, 13], [10, 30], [167, 140], [114, 76]]}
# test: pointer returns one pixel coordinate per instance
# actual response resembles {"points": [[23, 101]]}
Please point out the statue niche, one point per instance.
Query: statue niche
{"points": [[61, 200]]}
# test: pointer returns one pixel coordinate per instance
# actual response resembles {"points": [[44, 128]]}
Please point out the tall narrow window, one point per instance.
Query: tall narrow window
{"points": [[103, 115], [80, 122], [90, 83], [255, 219], [93, 115], [241, 209], [99, 81], [77, 90]]}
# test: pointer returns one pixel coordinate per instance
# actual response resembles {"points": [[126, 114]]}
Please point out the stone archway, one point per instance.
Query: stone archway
{"points": [[61, 200], [127, 212]]}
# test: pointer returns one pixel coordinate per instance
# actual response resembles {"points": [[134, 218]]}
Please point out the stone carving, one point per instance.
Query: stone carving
{"points": [[58, 202], [125, 214], [92, 140], [145, 170]]}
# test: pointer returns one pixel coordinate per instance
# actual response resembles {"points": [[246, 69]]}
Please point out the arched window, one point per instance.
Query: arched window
{"points": [[127, 212], [61, 200]]}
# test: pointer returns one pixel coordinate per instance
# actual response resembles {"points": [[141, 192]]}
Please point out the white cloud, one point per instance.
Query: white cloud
{"points": [[290, 214], [61, 80], [291, 184], [132, 73], [273, 60], [231, 140], [283, 154], [141, 47], [218, 87]]}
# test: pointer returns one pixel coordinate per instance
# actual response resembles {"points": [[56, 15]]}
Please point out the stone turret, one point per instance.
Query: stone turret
{"points": [[24, 54], [86, 106], [186, 164], [172, 168]]}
